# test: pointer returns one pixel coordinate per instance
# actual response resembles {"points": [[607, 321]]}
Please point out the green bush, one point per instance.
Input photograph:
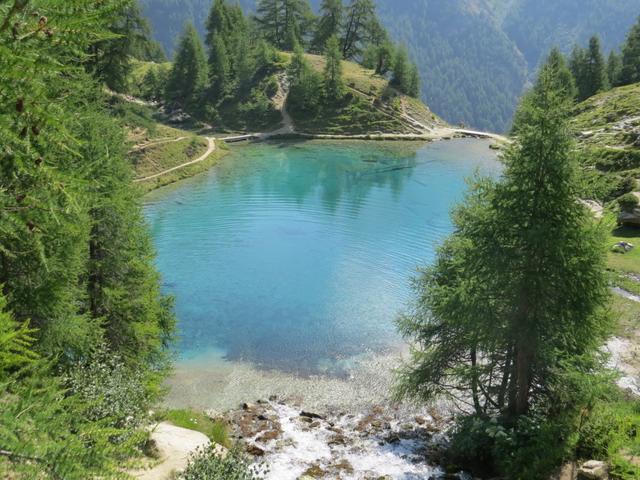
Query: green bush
{"points": [[206, 464], [529, 449], [611, 432], [110, 391], [628, 202]]}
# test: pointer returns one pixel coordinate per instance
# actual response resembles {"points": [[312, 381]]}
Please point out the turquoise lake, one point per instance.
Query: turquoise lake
{"points": [[297, 257]]}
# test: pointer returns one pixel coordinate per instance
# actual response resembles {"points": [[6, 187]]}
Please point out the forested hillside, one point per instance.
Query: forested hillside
{"points": [[475, 56], [84, 327]]}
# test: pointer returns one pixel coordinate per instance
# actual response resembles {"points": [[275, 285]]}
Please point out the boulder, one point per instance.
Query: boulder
{"points": [[593, 470], [255, 450]]}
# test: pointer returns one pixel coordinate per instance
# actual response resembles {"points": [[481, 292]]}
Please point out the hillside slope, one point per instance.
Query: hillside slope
{"points": [[475, 56], [608, 130], [371, 106]]}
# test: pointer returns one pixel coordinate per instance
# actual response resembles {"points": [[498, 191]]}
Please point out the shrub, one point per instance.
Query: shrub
{"points": [[529, 449], [109, 390], [611, 432], [628, 202], [206, 464]]}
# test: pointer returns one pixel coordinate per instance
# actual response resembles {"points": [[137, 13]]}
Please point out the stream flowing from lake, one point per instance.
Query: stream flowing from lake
{"points": [[290, 262]]}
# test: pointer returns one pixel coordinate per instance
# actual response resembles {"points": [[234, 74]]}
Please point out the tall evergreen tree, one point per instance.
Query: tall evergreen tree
{"points": [[271, 21], [359, 18], [614, 69], [511, 309], [413, 86], [110, 59], [284, 22], [595, 70], [561, 74], [401, 71], [219, 70], [188, 77], [306, 84], [577, 64], [333, 81], [330, 24], [631, 57]]}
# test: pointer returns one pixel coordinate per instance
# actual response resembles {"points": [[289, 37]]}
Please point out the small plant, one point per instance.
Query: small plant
{"points": [[199, 421], [628, 202], [110, 390], [207, 464]]}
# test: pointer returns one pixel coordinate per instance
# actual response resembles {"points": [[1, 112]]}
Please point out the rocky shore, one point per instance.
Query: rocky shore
{"points": [[383, 442]]}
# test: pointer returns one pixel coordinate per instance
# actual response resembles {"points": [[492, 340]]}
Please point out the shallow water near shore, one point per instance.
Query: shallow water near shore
{"points": [[290, 261]]}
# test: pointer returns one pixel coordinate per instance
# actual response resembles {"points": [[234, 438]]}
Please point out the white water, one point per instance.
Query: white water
{"points": [[301, 447]]}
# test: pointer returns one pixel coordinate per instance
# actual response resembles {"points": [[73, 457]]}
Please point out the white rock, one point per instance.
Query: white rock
{"points": [[593, 470]]}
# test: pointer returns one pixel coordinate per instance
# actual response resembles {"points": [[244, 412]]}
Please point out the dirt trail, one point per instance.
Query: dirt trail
{"points": [[211, 148], [174, 444], [155, 143]]}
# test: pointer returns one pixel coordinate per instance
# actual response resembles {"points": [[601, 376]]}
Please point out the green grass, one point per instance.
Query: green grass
{"points": [[186, 172], [371, 106], [627, 315], [198, 421], [609, 153], [625, 262], [154, 159]]}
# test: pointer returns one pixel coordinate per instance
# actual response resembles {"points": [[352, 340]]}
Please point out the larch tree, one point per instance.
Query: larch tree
{"points": [[514, 305], [595, 70], [188, 76], [413, 89], [562, 74], [614, 68], [631, 57], [329, 24], [359, 17], [401, 78], [333, 80]]}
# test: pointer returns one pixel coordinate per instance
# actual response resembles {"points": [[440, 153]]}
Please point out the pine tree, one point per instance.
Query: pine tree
{"points": [[511, 309], [631, 57], [271, 21], [379, 57], [359, 18], [219, 70], [578, 67], [557, 65], [614, 69], [188, 76], [111, 59], [595, 70], [330, 24], [401, 71], [413, 88], [306, 84], [333, 81]]}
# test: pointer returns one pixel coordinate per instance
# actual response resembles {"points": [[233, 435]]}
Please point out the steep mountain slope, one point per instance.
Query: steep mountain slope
{"points": [[535, 26], [471, 71], [475, 56]]}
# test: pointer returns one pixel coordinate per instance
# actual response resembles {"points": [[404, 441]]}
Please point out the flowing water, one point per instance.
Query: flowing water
{"points": [[290, 261]]}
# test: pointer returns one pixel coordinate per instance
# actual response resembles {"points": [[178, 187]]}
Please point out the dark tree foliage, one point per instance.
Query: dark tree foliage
{"points": [[188, 77], [329, 24], [631, 57], [614, 69], [76, 262], [284, 22], [360, 18], [333, 81], [514, 305], [110, 59]]}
